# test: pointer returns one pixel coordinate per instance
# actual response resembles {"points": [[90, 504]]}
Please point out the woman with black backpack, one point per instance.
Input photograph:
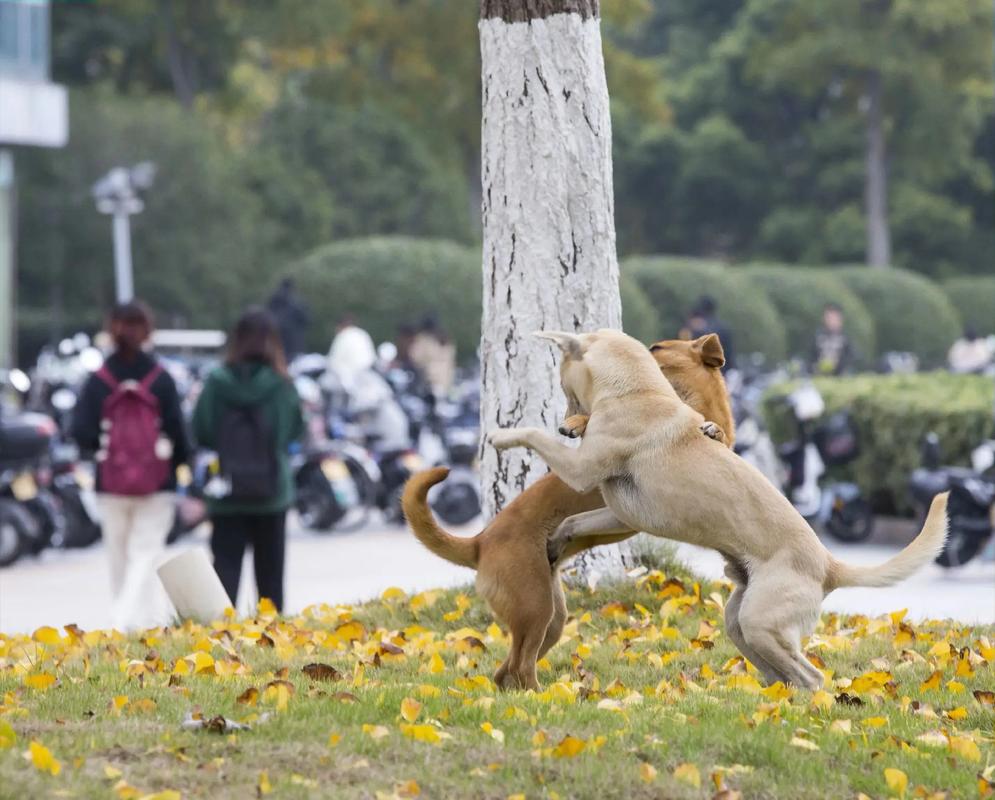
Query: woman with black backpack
{"points": [[249, 413]]}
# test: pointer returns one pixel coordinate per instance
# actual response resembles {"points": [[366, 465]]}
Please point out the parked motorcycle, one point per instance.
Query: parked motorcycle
{"points": [[838, 507], [25, 439], [971, 506]]}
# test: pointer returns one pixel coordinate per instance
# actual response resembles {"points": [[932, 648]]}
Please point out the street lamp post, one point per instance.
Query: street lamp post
{"points": [[116, 194]]}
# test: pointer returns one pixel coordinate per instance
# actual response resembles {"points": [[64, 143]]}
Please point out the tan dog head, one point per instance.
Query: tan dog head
{"points": [[604, 363]]}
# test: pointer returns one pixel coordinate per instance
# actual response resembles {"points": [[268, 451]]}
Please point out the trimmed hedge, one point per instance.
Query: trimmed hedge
{"points": [[639, 318], [973, 298], [673, 285], [893, 413], [388, 281], [910, 313], [800, 295]]}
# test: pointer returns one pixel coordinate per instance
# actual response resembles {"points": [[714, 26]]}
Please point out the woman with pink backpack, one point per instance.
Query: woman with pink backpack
{"points": [[129, 418]]}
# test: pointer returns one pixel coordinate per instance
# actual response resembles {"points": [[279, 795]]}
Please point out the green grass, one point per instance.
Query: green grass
{"points": [[636, 687]]}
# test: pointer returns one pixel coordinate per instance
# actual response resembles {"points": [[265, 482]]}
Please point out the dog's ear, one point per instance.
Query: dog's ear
{"points": [[710, 349], [569, 343]]}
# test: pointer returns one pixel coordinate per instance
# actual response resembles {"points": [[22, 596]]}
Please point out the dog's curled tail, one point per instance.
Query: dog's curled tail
{"points": [[414, 502], [919, 552]]}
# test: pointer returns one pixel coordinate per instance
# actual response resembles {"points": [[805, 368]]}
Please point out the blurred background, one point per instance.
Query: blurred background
{"points": [[815, 180]]}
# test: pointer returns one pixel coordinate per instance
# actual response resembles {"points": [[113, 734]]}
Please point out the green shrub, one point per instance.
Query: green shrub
{"points": [[910, 313], [800, 295], [639, 318], [673, 285], [388, 281], [973, 298], [893, 413]]}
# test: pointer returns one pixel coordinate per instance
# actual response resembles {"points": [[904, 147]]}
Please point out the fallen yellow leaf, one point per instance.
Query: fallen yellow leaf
{"points": [[424, 733], [40, 681], [957, 713], [647, 773], [436, 664], [42, 759], [874, 722], [804, 744], [965, 747], [7, 735], [47, 635], [688, 773], [410, 709], [897, 781], [569, 747], [263, 785], [932, 682], [375, 731], [334, 739]]}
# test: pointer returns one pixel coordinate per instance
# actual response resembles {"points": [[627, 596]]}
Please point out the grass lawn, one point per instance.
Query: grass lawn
{"points": [[644, 697]]}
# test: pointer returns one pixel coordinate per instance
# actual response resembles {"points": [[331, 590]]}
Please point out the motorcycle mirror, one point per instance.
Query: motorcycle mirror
{"points": [[931, 455], [19, 380]]}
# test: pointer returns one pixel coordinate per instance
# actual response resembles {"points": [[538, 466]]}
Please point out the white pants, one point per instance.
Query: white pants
{"points": [[134, 532]]}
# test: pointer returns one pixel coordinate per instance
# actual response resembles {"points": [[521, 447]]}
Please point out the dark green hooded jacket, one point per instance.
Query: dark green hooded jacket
{"points": [[251, 384]]}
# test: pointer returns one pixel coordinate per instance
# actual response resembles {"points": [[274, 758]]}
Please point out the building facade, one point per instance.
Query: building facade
{"points": [[33, 112]]}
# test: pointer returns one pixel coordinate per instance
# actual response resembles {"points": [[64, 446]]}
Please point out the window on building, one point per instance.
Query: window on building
{"points": [[24, 38]]}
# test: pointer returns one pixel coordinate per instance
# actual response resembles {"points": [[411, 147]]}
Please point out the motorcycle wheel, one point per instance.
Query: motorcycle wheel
{"points": [[80, 530], [851, 522], [317, 508], [961, 546], [11, 542], [457, 503]]}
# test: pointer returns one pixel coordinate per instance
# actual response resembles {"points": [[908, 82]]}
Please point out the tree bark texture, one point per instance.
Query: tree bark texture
{"points": [[549, 258]]}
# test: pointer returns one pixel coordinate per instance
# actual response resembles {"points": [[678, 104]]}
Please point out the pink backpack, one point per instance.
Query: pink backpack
{"points": [[130, 429]]}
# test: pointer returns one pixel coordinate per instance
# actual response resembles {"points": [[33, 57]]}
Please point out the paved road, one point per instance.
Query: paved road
{"points": [[63, 587]]}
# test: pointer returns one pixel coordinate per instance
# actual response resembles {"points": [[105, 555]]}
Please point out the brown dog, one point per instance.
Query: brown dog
{"points": [[513, 571]]}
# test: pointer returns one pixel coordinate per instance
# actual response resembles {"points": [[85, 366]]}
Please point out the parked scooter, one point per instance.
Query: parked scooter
{"points": [[838, 507], [25, 439], [971, 506]]}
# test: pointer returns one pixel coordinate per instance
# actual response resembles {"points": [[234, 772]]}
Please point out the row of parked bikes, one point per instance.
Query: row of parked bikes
{"points": [[368, 433], [801, 466], [365, 437]]}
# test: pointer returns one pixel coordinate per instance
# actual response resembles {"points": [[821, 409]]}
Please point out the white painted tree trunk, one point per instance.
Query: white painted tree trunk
{"points": [[548, 215]]}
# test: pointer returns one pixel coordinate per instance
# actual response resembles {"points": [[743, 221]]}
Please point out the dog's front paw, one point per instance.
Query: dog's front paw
{"points": [[504, 438], [713, 431], [575, 426]]}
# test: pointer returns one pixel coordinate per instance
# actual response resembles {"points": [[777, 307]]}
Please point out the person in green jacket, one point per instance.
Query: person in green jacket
{"points": [[249, 412]]}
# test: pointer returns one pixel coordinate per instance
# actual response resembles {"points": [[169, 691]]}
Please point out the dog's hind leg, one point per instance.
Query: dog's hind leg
{"points": [[735, 633], [555, 629], [774, 613]]}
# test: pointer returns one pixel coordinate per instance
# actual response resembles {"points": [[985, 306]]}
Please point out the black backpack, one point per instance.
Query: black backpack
{"points": [[247, 453]]}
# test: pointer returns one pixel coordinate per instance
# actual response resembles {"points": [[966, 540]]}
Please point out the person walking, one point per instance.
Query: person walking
{"points": [[128, 416], [292, 318], [434, 355], [249, 412], [832, 351]]}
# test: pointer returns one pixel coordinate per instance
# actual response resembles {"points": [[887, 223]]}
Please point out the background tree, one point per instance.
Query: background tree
{"points": [[549, 235]]}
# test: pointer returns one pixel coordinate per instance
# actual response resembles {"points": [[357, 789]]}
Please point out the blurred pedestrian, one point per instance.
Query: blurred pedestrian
{"points": [[292, 318], [129, 417], [249, 412], [970, 353], [702, 320], [832, 351], [352, 351], [434, 355]]}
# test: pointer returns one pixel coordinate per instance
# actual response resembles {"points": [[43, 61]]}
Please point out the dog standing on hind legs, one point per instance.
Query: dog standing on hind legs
{"points": [[514, 575], [643, 450]]}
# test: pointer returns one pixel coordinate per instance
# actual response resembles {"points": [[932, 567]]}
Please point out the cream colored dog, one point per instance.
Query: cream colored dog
{"points": [[644, 449]]}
